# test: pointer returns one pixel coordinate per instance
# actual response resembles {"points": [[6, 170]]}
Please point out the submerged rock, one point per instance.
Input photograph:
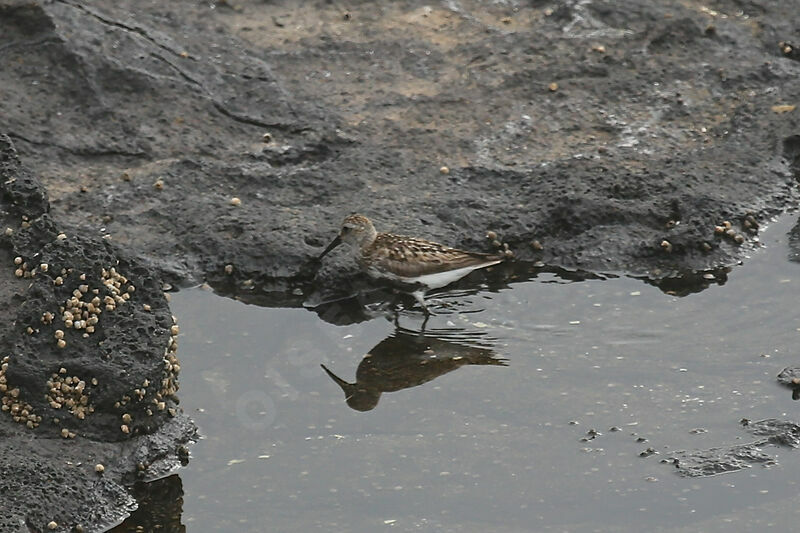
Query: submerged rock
{"points": [[790, 377], [701, 463], [88, 367], [779, 432], [715, 461]]}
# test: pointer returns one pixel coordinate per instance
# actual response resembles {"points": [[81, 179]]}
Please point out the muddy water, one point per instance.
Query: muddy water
{"points": [[525, 409]]}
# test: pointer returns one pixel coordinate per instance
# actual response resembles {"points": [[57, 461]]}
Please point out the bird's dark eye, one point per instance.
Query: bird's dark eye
{"points": [[345, 229]]}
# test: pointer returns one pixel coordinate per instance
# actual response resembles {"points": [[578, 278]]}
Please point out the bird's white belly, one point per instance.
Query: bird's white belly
{"points": [[440, 279]]}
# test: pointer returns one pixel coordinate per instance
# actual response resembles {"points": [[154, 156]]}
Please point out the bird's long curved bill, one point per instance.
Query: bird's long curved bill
{"points": [[334, 377], [349, 389], [334, 243]]}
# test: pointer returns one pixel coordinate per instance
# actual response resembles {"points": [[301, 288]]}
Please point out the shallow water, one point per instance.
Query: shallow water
{"points": [[479, 446]]}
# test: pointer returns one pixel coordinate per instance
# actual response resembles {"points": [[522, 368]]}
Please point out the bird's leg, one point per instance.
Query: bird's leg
{"points": [[419, 295], [361, 300]]}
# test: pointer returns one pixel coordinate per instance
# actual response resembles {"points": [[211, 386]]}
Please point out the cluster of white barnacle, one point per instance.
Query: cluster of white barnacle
{"points": [[20, 411]]}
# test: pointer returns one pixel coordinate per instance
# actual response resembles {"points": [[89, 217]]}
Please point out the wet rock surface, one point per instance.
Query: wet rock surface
{"points": [[88, 372], [790, 377], [616, 134], [701, 463]]}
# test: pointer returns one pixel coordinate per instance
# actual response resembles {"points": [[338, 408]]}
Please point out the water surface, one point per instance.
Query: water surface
{"points": [[481, 446]]}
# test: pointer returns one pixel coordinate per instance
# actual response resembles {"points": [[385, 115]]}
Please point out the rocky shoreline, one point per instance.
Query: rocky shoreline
{"points": [[88, 369], [615, 135], [223, 142]]}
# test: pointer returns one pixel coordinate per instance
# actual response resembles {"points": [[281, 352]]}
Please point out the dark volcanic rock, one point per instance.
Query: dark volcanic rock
{"points": [[790, 377], [160, 507], [720, 460], [88, 373], [780, 432], [618, 134]]}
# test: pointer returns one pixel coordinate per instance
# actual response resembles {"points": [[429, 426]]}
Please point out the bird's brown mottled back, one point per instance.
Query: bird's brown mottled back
{"points": [[409, 257]]}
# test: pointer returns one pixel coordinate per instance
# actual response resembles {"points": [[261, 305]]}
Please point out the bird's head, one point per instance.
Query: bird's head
{"points": [[357, 231]]}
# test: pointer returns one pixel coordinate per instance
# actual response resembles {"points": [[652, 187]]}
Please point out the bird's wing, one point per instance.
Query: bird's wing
{"points": [[410, 257]]}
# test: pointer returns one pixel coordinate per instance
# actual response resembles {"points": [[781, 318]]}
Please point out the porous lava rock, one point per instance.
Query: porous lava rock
{"points": [[790, 377], [617, 134], [88, 369], [713, 461]]}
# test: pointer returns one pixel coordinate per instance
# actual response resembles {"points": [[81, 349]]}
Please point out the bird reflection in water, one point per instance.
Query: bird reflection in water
{"points": [[407, 359]]}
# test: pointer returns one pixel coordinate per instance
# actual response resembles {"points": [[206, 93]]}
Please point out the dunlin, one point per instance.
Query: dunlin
{"points": [[407, 359], [416, 265]]}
